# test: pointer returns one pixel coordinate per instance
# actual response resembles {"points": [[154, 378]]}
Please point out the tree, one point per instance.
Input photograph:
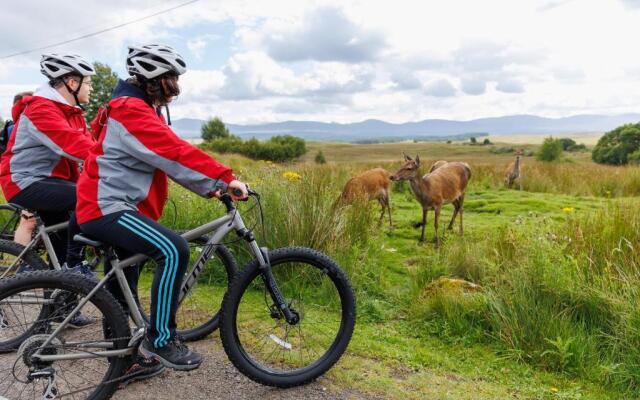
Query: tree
{"points": [[214, 129], [473, 140], [104, 81], [320, 158], [616, 146], [567, 144], [550, 150], [486, 142]]}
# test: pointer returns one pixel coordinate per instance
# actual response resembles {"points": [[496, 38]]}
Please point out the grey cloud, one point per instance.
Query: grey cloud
{"points": [[473, 87], [510, 86], [569, 74], [243, 81], [327, 35], [633, 4], [440, 88], [550, 5], [485, 56], [406, 80]]}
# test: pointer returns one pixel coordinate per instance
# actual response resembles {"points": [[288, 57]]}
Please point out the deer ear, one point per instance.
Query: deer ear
{"points": [[417, 159], [406, 157]]}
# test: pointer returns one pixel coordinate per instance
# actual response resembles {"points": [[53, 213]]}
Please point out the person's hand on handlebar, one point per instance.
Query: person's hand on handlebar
{"points": [[238, 190]]}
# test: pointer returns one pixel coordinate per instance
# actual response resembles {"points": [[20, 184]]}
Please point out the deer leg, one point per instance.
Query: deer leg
{"points": [[381, 201], [456, 208], [424, 223], [461, 203], [388, 201], [435, 224]]}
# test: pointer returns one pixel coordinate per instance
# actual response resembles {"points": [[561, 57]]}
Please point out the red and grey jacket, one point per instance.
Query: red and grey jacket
{"points": [[49, 139], [127, 169]]}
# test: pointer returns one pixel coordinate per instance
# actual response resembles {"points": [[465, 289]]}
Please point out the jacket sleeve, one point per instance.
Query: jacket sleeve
{"points": [[149, 139], [54, 132]]}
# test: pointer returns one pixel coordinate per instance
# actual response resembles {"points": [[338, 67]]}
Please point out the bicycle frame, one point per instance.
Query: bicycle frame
{"points": [[43, 234], [220, 228]]}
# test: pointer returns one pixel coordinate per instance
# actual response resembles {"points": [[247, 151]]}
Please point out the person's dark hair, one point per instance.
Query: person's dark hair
{"points": [[58, 82], [160, 90], [20, 95]]}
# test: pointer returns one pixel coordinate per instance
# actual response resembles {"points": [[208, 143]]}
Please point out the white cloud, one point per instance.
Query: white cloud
{"points": [[344, 61], [325, 34]]}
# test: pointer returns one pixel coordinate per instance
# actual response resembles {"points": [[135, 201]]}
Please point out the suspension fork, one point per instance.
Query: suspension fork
{"points": [[266, 273]]}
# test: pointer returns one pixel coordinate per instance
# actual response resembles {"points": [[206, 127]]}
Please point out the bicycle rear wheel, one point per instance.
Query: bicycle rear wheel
{"points": [[9, 219], [23, 375], [9, 252], [262, 344]]}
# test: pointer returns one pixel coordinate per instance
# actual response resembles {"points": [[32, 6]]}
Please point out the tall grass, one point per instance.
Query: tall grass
{"points": [[573, 178], [563, 297]]}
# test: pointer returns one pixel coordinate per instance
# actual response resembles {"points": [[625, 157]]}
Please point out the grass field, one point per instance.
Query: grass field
{"points": [[554, 314], [557, 264]]}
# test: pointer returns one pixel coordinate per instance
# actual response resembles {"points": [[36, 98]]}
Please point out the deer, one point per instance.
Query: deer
{"points": [[446, 184], [513, 171], [437, 165], [373, 184]]}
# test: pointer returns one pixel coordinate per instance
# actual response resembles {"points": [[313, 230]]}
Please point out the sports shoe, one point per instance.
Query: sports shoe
{"points": [[83, 268], [80, 321], [174, 355], [141, 369]]}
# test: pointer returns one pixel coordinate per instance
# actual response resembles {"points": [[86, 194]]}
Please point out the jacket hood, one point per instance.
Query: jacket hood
{"points": [[125, 89], [50, 93]]}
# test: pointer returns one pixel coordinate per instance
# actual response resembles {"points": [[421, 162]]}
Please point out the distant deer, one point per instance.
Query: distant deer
{"points": [[437, 165], [446, 184], [513, 171], [373, 184]]}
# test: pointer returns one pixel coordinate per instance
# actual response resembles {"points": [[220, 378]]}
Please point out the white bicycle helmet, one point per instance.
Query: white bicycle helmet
{"points": [[153, 60], [56, 65]]}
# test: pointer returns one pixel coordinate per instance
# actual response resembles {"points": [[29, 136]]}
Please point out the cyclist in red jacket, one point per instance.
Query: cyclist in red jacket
{"points": [[123, 188]]}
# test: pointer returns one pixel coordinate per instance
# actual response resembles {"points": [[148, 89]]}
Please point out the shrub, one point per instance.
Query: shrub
{"points": [[616, 146], [320, 158], [550, 150], [214, 129], [277, 149]]}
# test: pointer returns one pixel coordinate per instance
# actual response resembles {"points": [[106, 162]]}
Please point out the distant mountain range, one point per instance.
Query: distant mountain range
{"points": [[372, 129]]}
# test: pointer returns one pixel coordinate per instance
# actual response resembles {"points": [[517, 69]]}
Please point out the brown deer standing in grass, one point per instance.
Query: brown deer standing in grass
{"points": [[373, 184], [446, 184], [513, 172]]}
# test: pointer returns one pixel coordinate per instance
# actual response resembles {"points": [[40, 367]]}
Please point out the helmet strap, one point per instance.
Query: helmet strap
{"points": [[75, 92]]}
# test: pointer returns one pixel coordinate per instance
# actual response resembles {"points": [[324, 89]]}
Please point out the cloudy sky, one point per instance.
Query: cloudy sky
{"points": [[345, 61]]}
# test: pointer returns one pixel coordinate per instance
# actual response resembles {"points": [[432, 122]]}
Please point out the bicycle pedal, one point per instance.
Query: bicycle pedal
{"points": [[136, 337]]}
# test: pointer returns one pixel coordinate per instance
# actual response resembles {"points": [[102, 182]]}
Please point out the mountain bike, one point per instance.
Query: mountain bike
{"points": [[285, 320], [212, 270]]}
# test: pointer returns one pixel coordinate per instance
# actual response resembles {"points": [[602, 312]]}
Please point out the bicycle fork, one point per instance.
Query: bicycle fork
{"points": [[262, 255]]}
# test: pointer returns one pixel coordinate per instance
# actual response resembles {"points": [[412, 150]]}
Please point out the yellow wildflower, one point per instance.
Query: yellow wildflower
{"points": [[554, 390], [292, 176], [568, 209]]}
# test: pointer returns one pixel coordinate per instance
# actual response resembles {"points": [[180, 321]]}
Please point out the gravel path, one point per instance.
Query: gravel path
{"points": [[217, 378]]}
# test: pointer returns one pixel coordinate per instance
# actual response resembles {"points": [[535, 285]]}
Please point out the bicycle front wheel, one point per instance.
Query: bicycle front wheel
{"points": [[263, 345]]}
